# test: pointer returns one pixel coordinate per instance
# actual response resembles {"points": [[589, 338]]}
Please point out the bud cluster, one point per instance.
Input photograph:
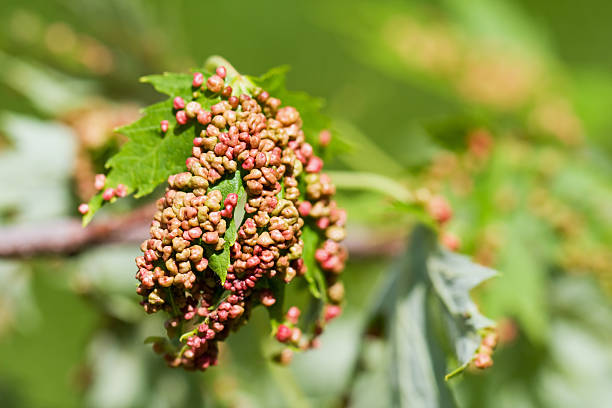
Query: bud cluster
{"points": [[441, 212], [483, 358], [264, 142], [107, 195]]}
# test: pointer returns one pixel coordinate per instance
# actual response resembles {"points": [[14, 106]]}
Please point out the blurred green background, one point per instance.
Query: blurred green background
{"points": [[503, 107]]}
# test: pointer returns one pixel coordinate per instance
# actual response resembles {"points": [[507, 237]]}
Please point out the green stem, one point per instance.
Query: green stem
{"points": [[239, 83], [455, 372], [349, 180], [215, 61]]}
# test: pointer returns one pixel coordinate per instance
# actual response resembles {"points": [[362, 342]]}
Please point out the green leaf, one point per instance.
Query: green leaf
{"points": [[452, 277], [417, 368], [220, 261], [171, 84], [155, 339], [149, 156], [314, 275], [423, 276], [417, 360]]}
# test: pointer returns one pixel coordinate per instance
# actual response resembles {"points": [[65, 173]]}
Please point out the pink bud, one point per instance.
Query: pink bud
{"points": [[178, 103], [236, 311], [331, 312], [490, 340], [450, 241], [198, 79], [231, 199], [195, 232], [121, 190], [331, 263], [83, 208], [252, 262], [263, 96], [211, 237], [324, 137], [483, 361], [214, 83], [164, 126], [304, 208], [306, 150], [99, 181], [283, 333], [221, 71], [201, 265], [108, 194], [267, 256], [204, 117], [197, 141], [315, 164], [323, 223], [249, 163], [293, 314], [267, 298], [439, 208], [181, 117], [321, 255], [190, 161], [227, 92]]}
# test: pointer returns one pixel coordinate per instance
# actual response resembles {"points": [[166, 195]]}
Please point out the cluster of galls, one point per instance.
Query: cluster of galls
{"points": [[266, 144], [483, 358], [107, 195]]}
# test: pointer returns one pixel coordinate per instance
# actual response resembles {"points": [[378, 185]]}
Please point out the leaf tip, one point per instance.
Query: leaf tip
{"points": [[455, 372]]}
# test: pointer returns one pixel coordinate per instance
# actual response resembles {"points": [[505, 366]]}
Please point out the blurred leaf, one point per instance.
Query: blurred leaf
{"points": [[453, 277], [102, 274], [570, 370], [503, 22], [417, 360], [44, 359], [371, 387], [18, 307], [50, 91], [416, 374], [34, 174]]}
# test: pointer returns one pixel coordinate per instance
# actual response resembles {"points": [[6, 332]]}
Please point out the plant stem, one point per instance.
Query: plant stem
{"points": [[239, 83], [215, 61], [349, 180]]}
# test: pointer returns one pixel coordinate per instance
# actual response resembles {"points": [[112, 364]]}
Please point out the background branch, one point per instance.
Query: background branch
{"points": [[67, 236]]}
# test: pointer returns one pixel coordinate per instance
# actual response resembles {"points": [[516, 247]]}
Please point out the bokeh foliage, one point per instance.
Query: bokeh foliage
{"points": [[502, 106]]}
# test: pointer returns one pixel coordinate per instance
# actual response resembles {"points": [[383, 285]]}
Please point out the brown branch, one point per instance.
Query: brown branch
{"points": [[67, 236]]}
